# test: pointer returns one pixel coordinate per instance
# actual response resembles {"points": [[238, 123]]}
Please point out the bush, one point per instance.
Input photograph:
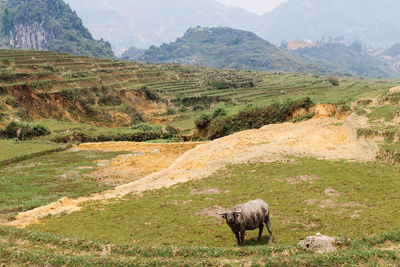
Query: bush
{"points": [[202, 122], [170, 111], [23, 131], [247, 119], [172, 130], [220, 110], [149, 94], [334, 81], [214, 127], [11, 101]]}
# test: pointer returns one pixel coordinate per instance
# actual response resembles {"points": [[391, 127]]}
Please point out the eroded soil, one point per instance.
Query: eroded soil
{"points": [[326, 138]]}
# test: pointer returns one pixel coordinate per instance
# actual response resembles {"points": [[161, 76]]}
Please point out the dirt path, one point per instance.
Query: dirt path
{"points": [[323, 138], [395, 89]]}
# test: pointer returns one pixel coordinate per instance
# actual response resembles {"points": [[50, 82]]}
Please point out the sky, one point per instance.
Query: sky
{"points": [[256, 6]]}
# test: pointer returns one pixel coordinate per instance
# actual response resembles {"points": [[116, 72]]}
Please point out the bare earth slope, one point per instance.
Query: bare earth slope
{"points": [[321, 137]]}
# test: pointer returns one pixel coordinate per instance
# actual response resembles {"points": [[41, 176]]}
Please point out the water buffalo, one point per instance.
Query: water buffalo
{"points": [[248, 216]]}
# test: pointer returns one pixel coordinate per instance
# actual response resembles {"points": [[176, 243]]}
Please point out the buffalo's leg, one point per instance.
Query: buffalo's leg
{"points": [[238, 238], [260, 231], [242, 238], [269, 227]]}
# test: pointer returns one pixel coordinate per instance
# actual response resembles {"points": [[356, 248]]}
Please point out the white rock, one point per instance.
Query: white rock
{"points": [[319, 243]]}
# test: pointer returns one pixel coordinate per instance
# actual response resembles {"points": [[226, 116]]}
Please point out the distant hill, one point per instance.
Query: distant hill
{"points": [[226, 48], [372, 22], [132, 54], [393, 51], [141, 23], [348, 58], [47, 25], [392, 56]]}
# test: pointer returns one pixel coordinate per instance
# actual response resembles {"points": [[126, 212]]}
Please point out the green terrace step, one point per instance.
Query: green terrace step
{"points": [[29, 247]]}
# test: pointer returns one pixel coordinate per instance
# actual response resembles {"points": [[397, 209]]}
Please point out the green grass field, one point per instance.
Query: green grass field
{"points": [[21, 248], [42, 180], [307, 196], [75, 96], [12, 149]]}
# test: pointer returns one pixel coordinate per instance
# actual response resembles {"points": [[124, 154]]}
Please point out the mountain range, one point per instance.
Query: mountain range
{"points": [[227, 48], [140, 23], [47, 25], [223, 47]]}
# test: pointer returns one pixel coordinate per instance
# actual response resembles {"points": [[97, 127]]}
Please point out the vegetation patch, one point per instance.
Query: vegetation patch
{"points": [[215, 126], [42, 180], [348, 199], [24, 131], [18, 246], [14, 149]]}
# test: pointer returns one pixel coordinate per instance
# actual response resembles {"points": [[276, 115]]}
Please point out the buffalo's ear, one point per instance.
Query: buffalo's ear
{"points": [[223, 215]]}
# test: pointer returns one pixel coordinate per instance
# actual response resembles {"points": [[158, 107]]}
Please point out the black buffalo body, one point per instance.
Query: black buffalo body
{"points": [[248, 216]]}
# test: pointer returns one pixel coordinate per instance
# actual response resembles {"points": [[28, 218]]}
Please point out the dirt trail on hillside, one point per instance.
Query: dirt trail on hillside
{"points": [[326, 138], [395, 89], [144, 159]]}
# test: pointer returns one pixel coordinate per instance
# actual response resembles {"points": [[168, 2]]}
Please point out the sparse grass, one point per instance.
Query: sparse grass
{"points": [[386, 112], [12, 149], [57, 126], [345, 199], [36, 182]]}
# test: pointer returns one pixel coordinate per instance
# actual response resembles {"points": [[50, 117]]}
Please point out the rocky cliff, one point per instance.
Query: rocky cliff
{"points": [[47, 25]]}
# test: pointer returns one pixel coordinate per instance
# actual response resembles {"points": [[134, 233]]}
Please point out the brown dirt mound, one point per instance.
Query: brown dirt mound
{"points": [[395, 89], [321, 138], [145, 159]]}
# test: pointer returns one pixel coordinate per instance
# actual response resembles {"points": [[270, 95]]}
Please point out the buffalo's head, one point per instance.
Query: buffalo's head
{"points": [[231, 216]]}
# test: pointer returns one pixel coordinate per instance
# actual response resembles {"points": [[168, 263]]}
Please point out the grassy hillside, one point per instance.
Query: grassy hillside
{"points": [[227, 48], [47, 25], [79, 98]]}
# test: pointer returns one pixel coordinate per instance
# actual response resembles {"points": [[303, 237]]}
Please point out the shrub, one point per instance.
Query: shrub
{"points": [[247, 119], [202, 122], [11, 101], [170, 111], [23, 131], [334, 81], [172, 130], [220, 110], [149, 94], [214, 127]]}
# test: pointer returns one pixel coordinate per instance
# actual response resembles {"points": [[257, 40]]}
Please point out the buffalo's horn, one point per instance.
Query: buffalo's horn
{"points": [[238, 211]]}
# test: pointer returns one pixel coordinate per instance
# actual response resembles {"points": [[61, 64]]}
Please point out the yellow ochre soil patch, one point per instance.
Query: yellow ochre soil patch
{"points": [[145, 159], [325, 138], [395, 89]]}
